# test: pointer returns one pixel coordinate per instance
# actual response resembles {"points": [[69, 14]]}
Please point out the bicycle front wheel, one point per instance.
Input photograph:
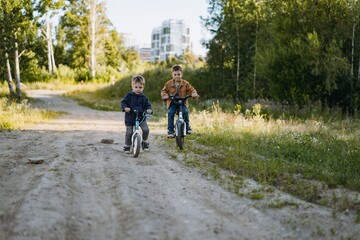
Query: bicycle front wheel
{"points": [[136, 145], [180, 135]]}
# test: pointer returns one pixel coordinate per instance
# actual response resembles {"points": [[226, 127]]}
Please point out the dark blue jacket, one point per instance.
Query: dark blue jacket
{"points": [[134, 101]]}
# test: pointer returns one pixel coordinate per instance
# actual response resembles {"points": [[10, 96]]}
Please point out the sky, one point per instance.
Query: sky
{"points": [[139, 17]]}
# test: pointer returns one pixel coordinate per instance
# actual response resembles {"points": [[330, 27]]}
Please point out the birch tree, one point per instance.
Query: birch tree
{"points": [[85, 28], [93, 4], [17, 17], [50, 52], [18, 31]]}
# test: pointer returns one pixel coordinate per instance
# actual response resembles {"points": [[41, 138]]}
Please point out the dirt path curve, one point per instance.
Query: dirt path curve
{"points": [[89, 190]]}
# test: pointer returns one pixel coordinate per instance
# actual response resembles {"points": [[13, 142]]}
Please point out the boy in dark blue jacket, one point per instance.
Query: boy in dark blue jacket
{"points": [[136, 100]]}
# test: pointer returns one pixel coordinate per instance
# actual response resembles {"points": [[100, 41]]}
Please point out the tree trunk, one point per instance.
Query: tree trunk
{"points": [[52, 53], [9, 77], [93, 37], [238, 54], [359, 72], [352, 51], [255, 54], [357, 95], [48, 40], [48, 35], [17, 73]]}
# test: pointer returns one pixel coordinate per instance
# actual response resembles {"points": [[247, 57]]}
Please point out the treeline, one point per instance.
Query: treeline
{"points": [[292, 51], [296, 52], [82, 46]]}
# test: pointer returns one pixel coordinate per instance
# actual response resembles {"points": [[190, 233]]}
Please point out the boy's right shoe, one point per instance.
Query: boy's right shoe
{"points": [[145, 146], [127, 149], [170, 135], [188, 131]]}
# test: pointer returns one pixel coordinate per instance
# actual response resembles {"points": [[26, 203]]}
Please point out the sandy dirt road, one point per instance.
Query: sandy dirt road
{"points": [[89, 190]]}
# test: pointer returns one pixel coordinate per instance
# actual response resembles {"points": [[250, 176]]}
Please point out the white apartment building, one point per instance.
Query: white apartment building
{"points": [[172, 38]]}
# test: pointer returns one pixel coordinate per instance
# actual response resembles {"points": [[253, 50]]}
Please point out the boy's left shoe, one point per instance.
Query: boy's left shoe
{"points": [[145, 145], [188, 131], [127, 149]]}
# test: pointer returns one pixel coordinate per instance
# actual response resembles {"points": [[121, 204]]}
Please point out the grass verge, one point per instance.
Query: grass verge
{"points": [[17, 115], [313, 160]]}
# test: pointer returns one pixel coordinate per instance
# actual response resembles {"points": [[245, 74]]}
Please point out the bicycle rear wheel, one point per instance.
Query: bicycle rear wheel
{"points": [[180, 135], [136, 145]]}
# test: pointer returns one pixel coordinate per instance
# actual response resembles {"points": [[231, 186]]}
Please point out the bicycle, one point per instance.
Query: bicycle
{"points": [[180, 124], [136, 138]]}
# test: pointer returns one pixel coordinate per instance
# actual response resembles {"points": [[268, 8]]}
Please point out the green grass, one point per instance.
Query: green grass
{"points": [[15, 115], [271, 157], [309, 159]]}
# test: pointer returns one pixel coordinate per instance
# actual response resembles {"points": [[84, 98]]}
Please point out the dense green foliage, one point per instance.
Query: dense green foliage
{"points": [[298, 52], [25, 24]]}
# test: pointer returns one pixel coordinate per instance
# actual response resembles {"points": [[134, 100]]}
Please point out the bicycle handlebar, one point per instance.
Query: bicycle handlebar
{"points": [[174, 97], [145, 114]]}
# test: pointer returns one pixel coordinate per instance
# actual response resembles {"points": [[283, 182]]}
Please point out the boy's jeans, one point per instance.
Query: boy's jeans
{"points": [[130, 129], [171, 115]]}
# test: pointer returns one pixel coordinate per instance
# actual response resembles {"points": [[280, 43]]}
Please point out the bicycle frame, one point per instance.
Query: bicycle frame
{"points": [[180, 125], [136, 138], [180, 120]]}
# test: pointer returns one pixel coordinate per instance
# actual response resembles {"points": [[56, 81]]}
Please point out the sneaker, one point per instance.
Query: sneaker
{"points": [[127, 149], [145, 145], [188, 131], [170, 135]]}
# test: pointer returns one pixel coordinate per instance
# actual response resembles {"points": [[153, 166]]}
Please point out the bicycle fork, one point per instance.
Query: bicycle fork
{"points": [[182, 122], [136, 131]]}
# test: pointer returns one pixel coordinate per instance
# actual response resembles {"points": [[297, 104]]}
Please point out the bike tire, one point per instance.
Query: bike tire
{"points": [[136, 145], [180, 135]]}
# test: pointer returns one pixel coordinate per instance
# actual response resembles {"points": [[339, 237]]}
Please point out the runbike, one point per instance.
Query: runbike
{"points": [[180, 124], [136, 138]]}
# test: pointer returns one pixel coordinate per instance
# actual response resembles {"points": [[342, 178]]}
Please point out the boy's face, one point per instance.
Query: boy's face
{"points": [[177, 75], [137, 88]]}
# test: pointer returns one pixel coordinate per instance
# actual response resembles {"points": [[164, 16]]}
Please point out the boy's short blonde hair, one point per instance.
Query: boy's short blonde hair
{"points": [[176, 67], [138, 79]]}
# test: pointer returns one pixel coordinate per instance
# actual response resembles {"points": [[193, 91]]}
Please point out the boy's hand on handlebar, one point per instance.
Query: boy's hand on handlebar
{"points": [[149, 111], [195, 96], [127, 109]]}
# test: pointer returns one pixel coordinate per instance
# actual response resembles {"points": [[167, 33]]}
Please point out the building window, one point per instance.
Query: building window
{"points": [[155, 36], [166, 30]]}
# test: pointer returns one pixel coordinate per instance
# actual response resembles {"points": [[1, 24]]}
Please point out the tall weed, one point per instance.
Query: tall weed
{"points": [[270, 149], [16, 115]]}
